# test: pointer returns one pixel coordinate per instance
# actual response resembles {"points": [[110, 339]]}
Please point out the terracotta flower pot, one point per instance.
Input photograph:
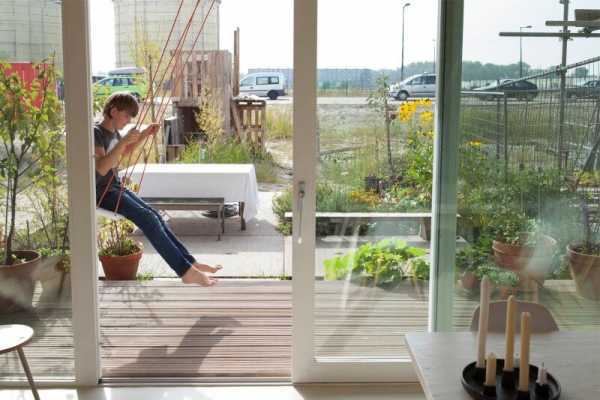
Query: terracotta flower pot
{"points": [[529, 262], [121, 268], [17, 283], [469, 281], [585, 270], [506, 291]]}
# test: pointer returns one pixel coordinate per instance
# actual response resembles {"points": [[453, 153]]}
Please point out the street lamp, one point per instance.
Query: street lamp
{"points": [[402, 66], [521, 49], [434, 51]]}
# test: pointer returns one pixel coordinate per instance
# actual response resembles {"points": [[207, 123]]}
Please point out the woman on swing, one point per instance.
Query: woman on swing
{"points": [[110, 147]]}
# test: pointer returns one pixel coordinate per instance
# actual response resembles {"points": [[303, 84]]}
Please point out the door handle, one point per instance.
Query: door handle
{"points": [[300, 198]]}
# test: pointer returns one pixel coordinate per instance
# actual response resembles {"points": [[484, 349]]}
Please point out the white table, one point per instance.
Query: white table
{"points": [[572, 357], [234, 182]]}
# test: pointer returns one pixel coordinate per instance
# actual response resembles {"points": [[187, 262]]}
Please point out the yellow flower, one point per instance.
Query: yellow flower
{"points": [[426, 116], [475, 143]]}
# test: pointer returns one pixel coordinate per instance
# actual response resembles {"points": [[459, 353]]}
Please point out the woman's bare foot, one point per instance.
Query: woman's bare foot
{"points": [[207, 268], [194, 275]]}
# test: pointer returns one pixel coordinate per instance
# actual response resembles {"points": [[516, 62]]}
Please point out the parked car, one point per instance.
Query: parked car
{"points": [[264, 84], [96, 78], [421, 85], [587, 90], [127, 71], [130, 84], [519, 89]]}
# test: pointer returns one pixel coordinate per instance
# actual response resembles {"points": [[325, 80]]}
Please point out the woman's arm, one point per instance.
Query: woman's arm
{"points": [[148, 131], [106, 161]]}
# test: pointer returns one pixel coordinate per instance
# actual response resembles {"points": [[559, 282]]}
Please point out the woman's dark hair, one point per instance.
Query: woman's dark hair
{"points": [[121, 101]]}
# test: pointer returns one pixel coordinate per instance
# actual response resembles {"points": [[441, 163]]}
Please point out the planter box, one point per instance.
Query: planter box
{"points": [[585, 270], [529, 263]]}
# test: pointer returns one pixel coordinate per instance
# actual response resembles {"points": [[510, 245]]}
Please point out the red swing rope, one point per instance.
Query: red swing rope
{"points": [[178, 49], [163, 106], [150, 94]]}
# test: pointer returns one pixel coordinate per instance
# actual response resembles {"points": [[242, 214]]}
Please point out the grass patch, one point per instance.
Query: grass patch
{"points": [[232, 152]]}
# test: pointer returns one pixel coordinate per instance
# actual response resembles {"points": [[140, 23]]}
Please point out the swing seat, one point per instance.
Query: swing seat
{"points": [[101, 212]]}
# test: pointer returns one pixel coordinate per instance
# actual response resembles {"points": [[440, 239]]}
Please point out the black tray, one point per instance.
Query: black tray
{"points": [[472, 380]]}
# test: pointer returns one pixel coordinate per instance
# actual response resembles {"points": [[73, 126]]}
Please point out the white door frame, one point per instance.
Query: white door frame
{"points": [[445, 164], [305, 366], [82, 202]]}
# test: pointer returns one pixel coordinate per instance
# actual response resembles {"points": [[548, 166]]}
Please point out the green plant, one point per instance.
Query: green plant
{"points": [[30, 129], [279, 123], [114, 240], [488, 269], [144, 276], [378, 99], [506, 278], [230, 151], [381, 262], [419, 268], [507, 225], [209, 118], [472, 257]]}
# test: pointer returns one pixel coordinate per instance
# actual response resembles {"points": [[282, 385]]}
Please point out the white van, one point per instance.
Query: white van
{"points": [[421, 85], [264, 84]]}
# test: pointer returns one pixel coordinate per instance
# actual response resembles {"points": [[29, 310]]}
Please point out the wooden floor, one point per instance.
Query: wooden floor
{"points": [[242, 328]]}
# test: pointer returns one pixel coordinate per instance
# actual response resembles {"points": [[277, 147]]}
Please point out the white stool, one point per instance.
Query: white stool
{"points": [[14, 337]]}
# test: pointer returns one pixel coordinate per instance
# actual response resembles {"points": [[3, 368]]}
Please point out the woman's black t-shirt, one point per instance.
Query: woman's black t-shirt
{"points": [[107, 140]]}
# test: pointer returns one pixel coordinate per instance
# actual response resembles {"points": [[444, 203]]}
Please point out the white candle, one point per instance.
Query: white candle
{"points": [[542, 376], [484, 312], [511, 309], [490, 370], [524, 365]]}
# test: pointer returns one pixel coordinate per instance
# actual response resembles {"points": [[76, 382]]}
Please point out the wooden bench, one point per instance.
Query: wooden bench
{"points": [[424, 219], [216, 204]]}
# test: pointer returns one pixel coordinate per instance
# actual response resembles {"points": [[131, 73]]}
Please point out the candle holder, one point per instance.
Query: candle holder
{"points": [[507, 383]]}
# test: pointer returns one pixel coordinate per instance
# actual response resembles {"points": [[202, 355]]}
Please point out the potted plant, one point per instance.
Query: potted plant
{"points": [[521, 250], [30, 124], [469, 259], [119, 254], [583, 255], [506, 282]]}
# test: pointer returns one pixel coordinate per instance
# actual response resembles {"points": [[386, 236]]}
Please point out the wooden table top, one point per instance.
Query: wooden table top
{"points": [[13, 336], [572, 357]]}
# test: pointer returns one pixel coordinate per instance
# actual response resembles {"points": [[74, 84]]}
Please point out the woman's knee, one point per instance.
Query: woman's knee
{"points": [[145, 219]]}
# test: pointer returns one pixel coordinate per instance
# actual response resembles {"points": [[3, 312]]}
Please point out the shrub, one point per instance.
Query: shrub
{"points": [[419, 269], [230, 151], [113, 239], [383, 262], [279, 123]]}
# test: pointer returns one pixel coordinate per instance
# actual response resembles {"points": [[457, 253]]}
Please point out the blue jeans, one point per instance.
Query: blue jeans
{"points": [[152, 225]]}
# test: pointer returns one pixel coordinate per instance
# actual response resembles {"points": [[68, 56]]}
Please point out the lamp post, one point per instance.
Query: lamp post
{"points": [[521, 49], [434, 50], [402, 65]]}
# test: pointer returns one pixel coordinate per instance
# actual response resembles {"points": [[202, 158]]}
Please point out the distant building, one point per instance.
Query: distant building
{"points": [[155, 18], [360, 78], [30, 30]]}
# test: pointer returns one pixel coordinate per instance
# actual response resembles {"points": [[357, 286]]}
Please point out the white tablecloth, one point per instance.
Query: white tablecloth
{"points": [[234, 182]]}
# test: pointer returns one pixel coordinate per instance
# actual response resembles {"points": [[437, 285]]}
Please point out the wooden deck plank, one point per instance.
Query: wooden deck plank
{"points": [[242, 328]]}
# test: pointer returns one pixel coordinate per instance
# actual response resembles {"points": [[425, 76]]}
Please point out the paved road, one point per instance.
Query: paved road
{"points": [[328, 100]]}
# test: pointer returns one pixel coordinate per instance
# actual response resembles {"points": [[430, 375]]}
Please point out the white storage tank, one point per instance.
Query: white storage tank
{"points": [[155, 17], [30, 30]]}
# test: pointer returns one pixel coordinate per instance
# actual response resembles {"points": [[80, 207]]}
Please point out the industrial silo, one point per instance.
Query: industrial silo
{"points": [[30, 30], [155, 17]]}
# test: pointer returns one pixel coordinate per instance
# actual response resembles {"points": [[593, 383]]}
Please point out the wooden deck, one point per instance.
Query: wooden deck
{"points": [[242, 329]]}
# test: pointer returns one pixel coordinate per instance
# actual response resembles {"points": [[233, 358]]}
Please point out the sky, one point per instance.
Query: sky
{"points": [[359, 34]]}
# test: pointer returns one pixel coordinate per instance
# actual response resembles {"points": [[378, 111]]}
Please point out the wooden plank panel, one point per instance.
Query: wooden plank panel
{"points": [[242, 328]]}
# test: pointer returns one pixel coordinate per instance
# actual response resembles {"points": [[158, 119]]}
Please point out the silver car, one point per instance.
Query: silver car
{"points": [[421, 85]]}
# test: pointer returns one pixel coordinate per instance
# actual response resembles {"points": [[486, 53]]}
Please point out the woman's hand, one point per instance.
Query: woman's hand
{"points": [[151, 129]]}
